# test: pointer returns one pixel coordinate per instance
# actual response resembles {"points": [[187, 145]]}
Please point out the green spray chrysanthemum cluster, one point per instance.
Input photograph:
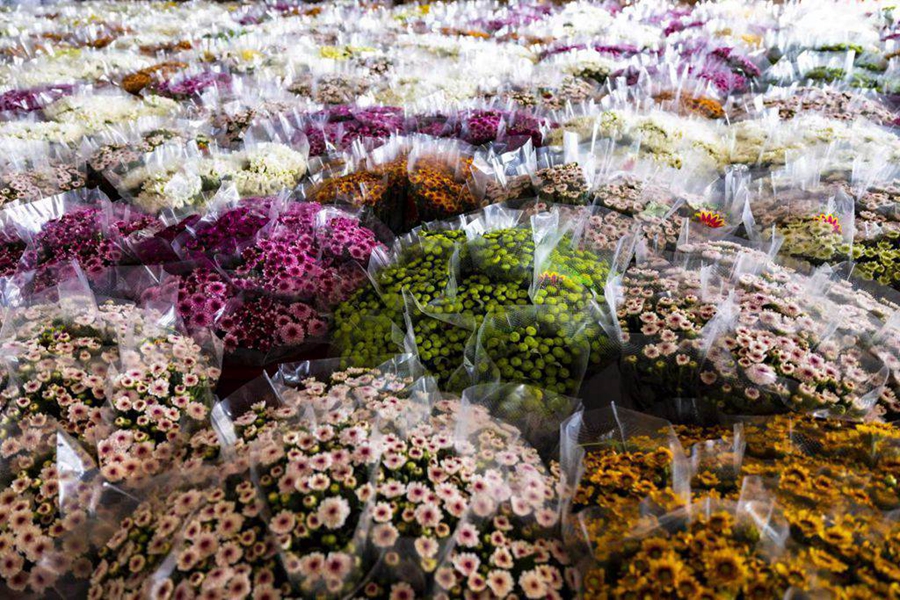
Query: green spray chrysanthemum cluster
{"points": [[451, 284]]}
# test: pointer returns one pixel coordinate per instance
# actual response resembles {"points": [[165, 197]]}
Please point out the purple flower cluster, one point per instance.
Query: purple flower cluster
{"points": [[301, 258], [228, 230], [11, 250], [728, 71], [186, 87], [85, 235], [158, 248], [483, 126], [617, 50], [678, 25], [514, 18], [264, 323], [201, 296], [32, 99], [341, 125]]}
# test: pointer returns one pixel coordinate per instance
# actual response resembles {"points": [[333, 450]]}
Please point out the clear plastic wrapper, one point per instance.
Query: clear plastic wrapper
{"points": [[34, 170], [80, 227], [818, 224], [379, 180], [536, 412], [532, 345]]}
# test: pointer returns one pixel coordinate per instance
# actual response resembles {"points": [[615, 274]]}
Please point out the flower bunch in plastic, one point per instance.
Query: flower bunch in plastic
{"points": [[336, 514], [676, 511], [444, 285]]}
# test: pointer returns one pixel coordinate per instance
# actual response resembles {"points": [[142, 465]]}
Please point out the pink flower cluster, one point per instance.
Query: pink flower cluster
{"points": [[88, 235], [340, 126], [305, 258], [265, 323]]}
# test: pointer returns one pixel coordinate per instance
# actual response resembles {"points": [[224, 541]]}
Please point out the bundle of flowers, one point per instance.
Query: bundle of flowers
{"points": [[447, 301], [265, 324], [662, 211], [662, 137], [33, 181], [670, 511], [171, 179], [268, 534], [91, 235], [310, 252], [405, 192], [752, 345], [160, 394], [52, 519], [339, 127], [184, 87], [214, 535], [200, 295], [113, 378], [830, 102], [94, 112], [117, 155], [31, 99]]}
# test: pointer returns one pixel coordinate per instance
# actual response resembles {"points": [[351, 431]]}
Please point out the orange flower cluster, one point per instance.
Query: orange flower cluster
{"points": [[402, 196], [134, 83], [699, 105]]}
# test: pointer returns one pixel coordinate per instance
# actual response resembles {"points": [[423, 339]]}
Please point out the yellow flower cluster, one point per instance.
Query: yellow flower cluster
{"points": [[832, 484]]}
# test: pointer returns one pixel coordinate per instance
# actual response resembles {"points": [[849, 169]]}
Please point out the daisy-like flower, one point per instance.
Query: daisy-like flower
{"points": [[333, 512]]}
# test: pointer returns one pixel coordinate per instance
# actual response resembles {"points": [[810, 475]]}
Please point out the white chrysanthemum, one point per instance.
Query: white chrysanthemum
{"points": [[96, 111], [45, 131], [576, 62], [182, 188], [169, 188], [579, 18], [608, 124]]}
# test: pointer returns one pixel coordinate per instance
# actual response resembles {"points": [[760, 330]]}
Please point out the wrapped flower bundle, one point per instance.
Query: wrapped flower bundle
{"points": [[339, 127], [435, 530], [30, 100], [688, 209], [287, 262], [452, 282], [93, 235], [173, 179], [763, 354], [427, 181], [112, 377], [54, 517], [61, 365], [34, 171], [310, 252], [672, 511]]}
